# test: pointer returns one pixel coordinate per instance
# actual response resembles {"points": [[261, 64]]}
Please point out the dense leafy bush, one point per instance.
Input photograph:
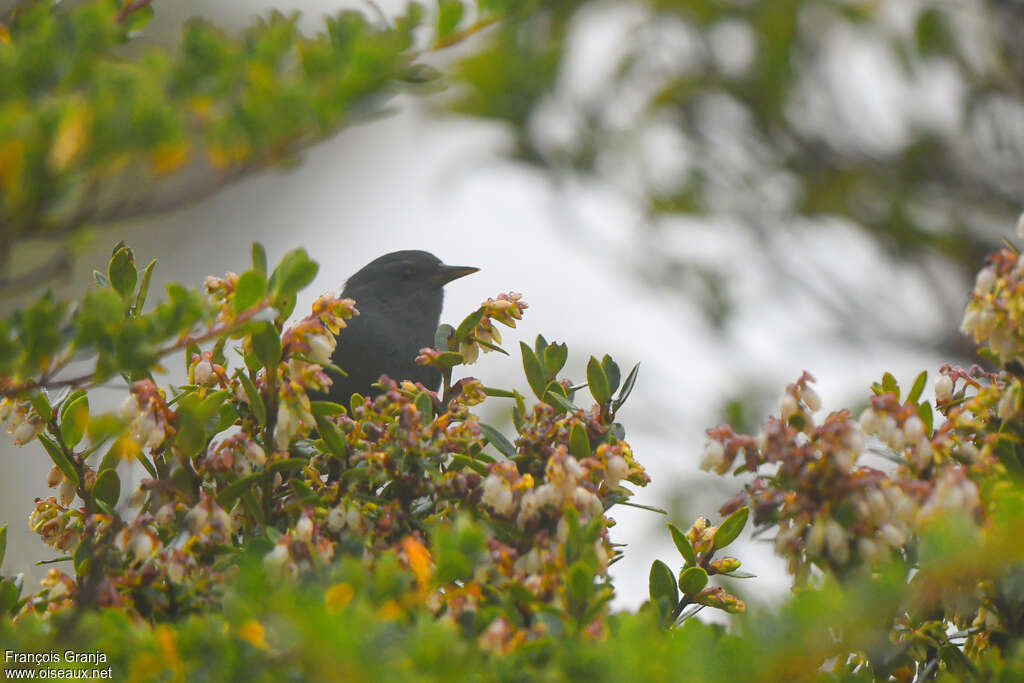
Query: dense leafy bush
{"points": [[277, 536]]}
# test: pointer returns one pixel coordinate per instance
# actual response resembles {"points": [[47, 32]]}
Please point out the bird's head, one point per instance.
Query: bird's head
{"points": [[404, 274]]}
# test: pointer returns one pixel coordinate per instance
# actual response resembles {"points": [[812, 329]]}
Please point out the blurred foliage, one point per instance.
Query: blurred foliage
{"points": [[97, 126], [902, 118]]}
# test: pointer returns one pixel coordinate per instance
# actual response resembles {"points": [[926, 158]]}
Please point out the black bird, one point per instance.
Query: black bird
{"points": [[399, 297]]}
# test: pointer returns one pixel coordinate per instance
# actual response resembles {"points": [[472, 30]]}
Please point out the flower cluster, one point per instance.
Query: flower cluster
{"points": [[867, 512], [314, 336], [23, 423], [994, 316], [477, 331], [146, 412]]}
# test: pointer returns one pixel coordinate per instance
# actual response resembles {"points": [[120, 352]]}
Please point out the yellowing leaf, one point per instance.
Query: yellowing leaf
{"points": [[168, 650], [126, 447], [201, 106], [418, 559], [389, 610], [222, 157], [252, 632], [338, 596], [70, 139], [5, 36], [169, 157], [12, 160]]}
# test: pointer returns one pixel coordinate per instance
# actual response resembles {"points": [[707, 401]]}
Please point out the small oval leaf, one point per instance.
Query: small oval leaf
{"points": [[662, 585], [59, 459], [534, 371], [107, 487], [266, 343], [498, 440], [597, 381], [74, 421], [579, 442], [236, 488], [121, 272], [730, 529], [692, 580], [682, 544], [249, 290]]}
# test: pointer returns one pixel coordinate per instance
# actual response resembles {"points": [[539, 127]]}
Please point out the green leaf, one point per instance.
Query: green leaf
{"points": [[303, 490], [489, 345], [325, 408], [107, 487], [918, 388], [140, 298], [82, 555], [731, 528], [1006, 453], [889, 385], [193, 416], [448, 359], [692, 580], [332, 435], [682, 544], [259, 259], [230, 493], [68, 400], [59, 458], [256, 405], [424, 405], [3, 543], [554, 398], [287, 464], [579, 584], [956, 662], [539, 344], [293, 273], [266, 344], [662, 585], [627, 386], [121, 272], [924, 411], [444, 331], [579, 442], [498, 440], [534, 371], [250, 289], [500, 393], [738, 574], [100, 279], [611, 371], [555, 356], [103, 427], [141, 457], [461, 461], [137, 18], [468, 324], [41, 404], [449, 14], [597, 381], [75, 418], [111, 459]]}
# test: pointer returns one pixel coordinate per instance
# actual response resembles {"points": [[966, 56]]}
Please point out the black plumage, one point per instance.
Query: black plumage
{"points": [[399, 297]]}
